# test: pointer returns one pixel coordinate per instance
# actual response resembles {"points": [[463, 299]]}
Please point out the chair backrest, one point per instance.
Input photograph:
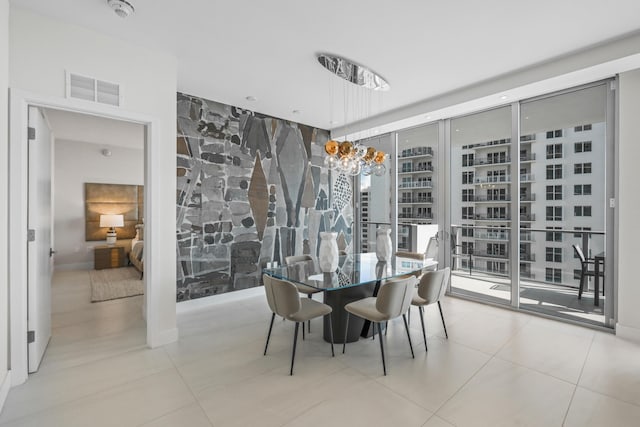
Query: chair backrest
{"points": [[579, 253], [433, 285], [297, 258], [394, 296], [432, 249], [282, 296]]}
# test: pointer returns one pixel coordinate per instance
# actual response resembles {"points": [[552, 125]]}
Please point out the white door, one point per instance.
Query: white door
{"points": [[40, 252]]}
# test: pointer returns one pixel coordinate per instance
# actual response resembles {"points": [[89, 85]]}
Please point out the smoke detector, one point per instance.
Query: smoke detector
{"points": [[122, 8]]}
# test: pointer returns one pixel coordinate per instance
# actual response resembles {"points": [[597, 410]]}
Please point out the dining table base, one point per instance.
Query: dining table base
{"points": [[337, 299]]}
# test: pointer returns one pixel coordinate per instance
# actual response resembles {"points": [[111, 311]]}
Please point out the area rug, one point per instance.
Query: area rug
{"points": [[114, 283]]}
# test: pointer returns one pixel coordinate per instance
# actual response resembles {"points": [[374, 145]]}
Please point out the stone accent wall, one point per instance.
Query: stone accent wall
{"points": [[251, 190]]}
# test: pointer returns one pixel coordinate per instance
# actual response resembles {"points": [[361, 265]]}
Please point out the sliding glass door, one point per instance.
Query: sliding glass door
{"points": [[563, 146], [530, 186], [480, 180]]}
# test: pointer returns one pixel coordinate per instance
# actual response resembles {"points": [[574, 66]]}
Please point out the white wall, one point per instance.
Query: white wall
{"points": [[628, 248], [40, 51], [75, 164], [4, 168]]}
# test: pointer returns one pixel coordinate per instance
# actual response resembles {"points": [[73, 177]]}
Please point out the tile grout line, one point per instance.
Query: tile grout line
{"points": [[460, 388], [575, 389], [195, 398]]}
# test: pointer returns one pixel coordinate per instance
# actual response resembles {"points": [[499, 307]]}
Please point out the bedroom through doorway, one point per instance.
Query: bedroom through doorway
{"points": [[97, 225]]}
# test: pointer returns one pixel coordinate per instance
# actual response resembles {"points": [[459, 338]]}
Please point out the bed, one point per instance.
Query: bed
{"points": [[136, 256]]}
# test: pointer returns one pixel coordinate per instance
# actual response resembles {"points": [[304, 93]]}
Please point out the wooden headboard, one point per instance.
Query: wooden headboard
{"points": [[100, 199]]}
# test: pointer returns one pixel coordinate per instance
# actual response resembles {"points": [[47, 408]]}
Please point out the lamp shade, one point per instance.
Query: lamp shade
{"points": [[111, 220]]}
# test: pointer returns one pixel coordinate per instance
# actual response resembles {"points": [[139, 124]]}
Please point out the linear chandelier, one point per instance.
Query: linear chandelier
{"points": [[348, 157]]}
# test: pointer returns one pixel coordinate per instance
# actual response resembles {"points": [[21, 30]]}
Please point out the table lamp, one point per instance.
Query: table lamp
{"points": [[111, 221]]}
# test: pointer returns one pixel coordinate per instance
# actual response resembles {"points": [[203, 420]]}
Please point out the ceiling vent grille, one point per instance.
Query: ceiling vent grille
{"points": [[90, 89]]}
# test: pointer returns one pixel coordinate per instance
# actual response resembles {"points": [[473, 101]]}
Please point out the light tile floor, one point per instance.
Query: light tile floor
{"points": [[498, 368]]}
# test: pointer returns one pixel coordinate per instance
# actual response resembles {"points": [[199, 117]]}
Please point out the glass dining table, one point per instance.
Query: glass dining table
{"points": [[357, 276]]}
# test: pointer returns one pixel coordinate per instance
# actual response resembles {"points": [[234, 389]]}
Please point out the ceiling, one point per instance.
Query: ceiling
{"points": [[95, 130], [229, 50]]}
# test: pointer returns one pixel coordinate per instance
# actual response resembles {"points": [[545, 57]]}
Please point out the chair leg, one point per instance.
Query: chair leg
{"points": [[273, 316], [582, 277], [346, 329], [406, 326], [409, 315], [442, 317], [302, 331], [384, 366], [386, 328], [424, 333], [295, 339], [373, 335], [333, 354], [309, 321]]}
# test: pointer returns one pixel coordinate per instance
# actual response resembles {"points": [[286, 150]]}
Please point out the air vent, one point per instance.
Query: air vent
{"points": [[90, 89]]}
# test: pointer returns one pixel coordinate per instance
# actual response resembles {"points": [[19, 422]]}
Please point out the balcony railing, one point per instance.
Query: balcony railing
{"points": [[491, 236], [415, 216], [489, 179], [528, 138], [417, 169], [416, 184], [418, 151], [497, 199], [527, 217], [527, 177], [483, 217], [489, 161], [524, 256], [528, 198], [416, 200], [528, 157], [490, 254]]}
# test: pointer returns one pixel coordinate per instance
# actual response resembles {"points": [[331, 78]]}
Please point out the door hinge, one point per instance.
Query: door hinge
{"points": [[31, 235], [31, 133], [31, 336]]}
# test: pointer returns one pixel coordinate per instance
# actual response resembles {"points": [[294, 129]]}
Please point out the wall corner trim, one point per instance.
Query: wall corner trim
{"points": [[4, 389], [628, 332]]}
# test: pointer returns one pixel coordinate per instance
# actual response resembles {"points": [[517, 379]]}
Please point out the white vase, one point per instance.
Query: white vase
{"points": [[328, 255], [383, 244]]}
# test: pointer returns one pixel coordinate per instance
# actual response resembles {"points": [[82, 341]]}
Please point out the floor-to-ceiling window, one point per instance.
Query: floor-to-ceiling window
{"points": [[480, 180], [417, 169], [563, 146]]}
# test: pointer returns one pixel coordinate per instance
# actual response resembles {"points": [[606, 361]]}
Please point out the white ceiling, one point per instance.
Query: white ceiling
{"points": [[228, 50], [95, 130]]}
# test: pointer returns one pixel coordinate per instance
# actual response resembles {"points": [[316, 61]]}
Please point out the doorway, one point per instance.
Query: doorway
{"points": [[159, 304], [94, 294]]}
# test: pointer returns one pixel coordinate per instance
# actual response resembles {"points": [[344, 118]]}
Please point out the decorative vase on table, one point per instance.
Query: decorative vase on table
{"points": [[383, 244], [328, 255]]}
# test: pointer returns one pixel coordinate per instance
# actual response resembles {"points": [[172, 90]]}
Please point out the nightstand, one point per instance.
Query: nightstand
{"points": [[108, 256]]}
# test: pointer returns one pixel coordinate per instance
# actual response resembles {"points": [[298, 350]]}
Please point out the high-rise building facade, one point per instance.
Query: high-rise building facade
{"points": [[561, 188]]}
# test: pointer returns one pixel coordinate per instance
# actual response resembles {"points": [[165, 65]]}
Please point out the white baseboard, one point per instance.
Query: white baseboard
{"points": [[162, 338], [75, 266], [4, 389], [203, 303], [628, 332]]}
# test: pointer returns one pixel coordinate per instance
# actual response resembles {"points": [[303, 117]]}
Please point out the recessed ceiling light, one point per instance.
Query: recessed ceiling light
{"points": [[251, 98], [376, 131], [428, 117], [504, 97], [457, 130], [296, 111]]}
